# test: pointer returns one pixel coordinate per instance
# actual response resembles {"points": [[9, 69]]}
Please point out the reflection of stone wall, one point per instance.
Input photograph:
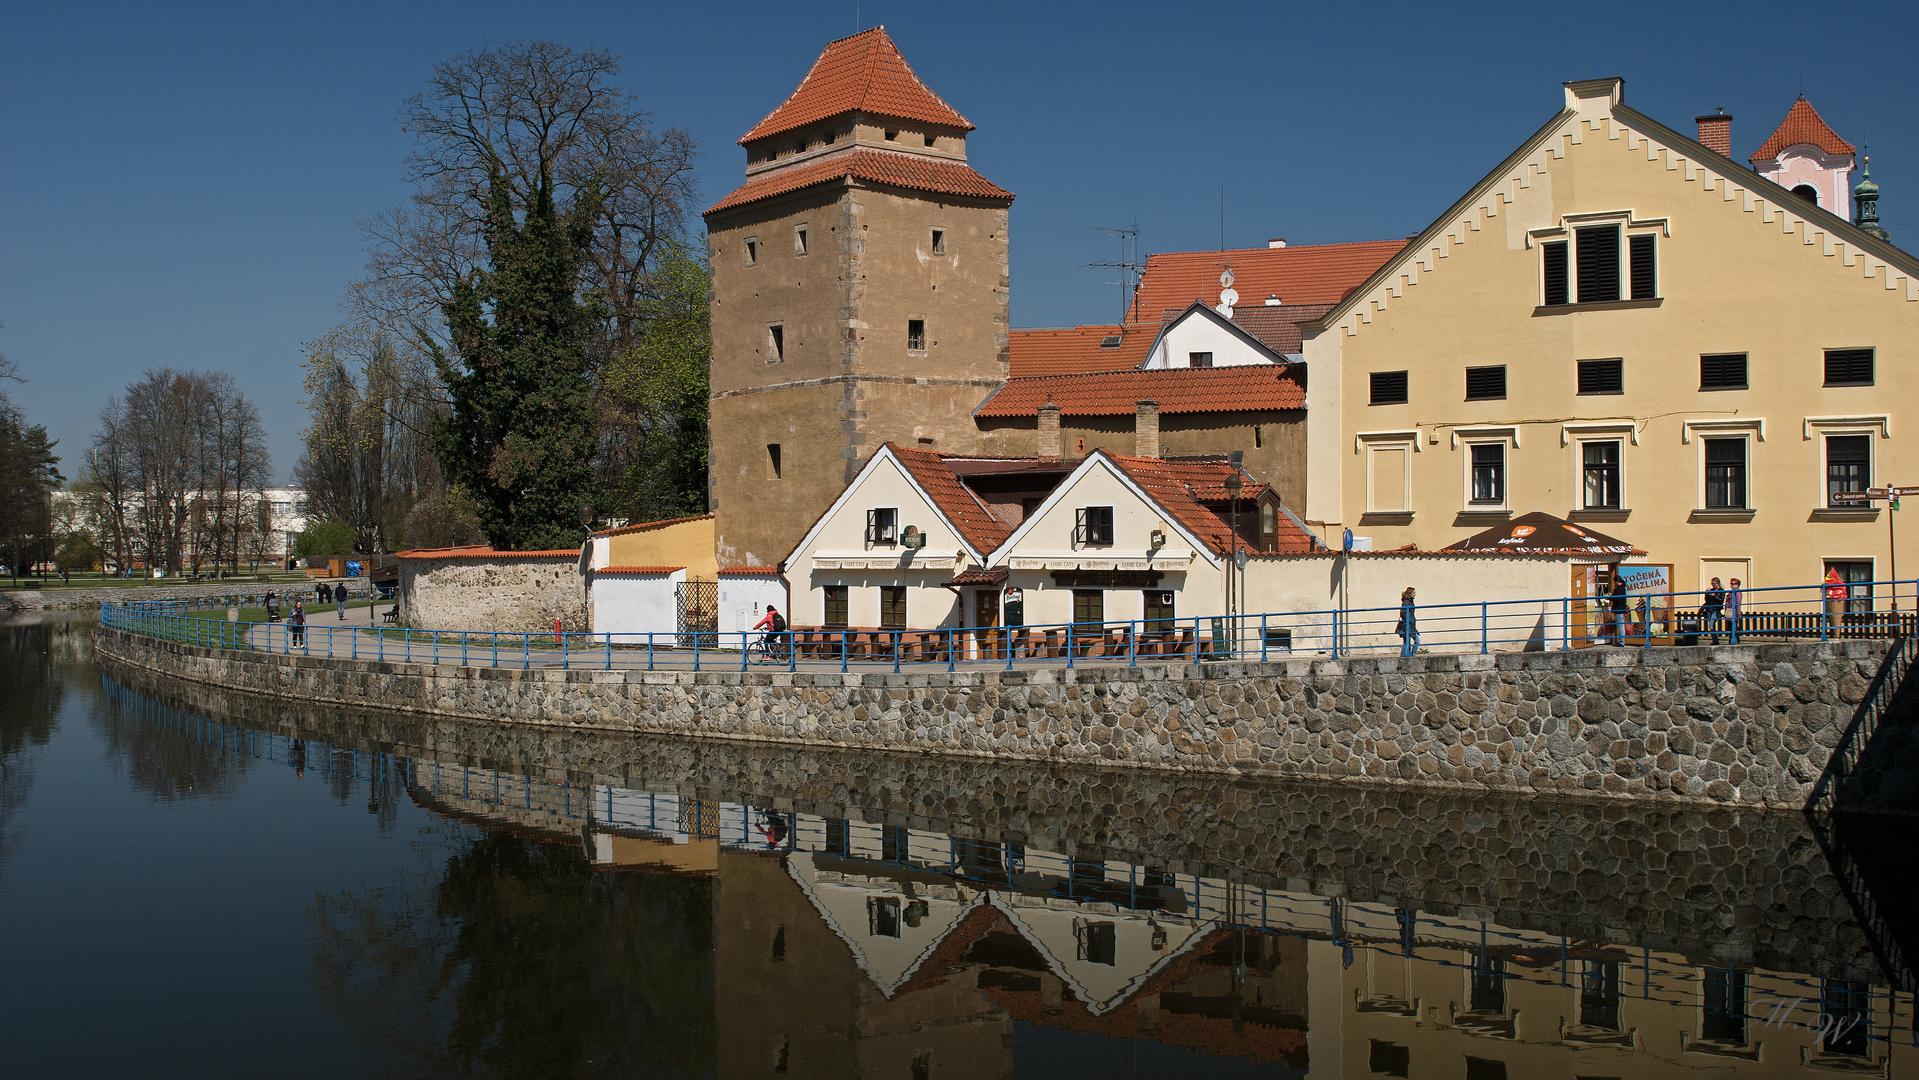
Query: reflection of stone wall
{"points": [[1717, 884], [1732, 726], [510, 592]]}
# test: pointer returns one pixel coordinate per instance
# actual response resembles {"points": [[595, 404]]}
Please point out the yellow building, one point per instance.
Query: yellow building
{"points": [[1622, 326]]}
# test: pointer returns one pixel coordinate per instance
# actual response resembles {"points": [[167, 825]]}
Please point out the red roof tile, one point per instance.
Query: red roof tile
{"points": [[1069, 350], [645, 525], [1249, 388], [996, 576], [914, 172], [639, 570], [1310, 274], [746, 571], [1181, 487], [484, 552], [1276, 327], [864, 73], [954, 499], [1801, 125]]}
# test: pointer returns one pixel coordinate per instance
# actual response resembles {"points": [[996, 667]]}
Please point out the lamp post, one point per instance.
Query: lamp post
{"points": [[1233, 484]]}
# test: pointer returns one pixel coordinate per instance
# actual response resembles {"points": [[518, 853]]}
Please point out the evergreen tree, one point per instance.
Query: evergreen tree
{"points": [[520, 437]]}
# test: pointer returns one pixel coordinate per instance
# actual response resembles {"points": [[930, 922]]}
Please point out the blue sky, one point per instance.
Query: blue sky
{"points": [[181, 182]]}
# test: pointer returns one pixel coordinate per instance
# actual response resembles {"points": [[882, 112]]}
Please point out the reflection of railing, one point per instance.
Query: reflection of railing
{"points": [[1802, 612], [891, 856], [1866, 720], [1866, 908]]}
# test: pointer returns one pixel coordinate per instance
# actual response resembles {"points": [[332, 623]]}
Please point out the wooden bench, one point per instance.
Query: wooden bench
{"points": [[392, 615]]}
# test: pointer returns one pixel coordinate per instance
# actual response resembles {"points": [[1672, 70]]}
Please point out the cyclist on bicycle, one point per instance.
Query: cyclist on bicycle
{"points": [[774, 624]]}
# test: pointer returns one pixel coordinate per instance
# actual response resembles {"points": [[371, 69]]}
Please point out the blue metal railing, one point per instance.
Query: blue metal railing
{"points": [[1800, 612]]}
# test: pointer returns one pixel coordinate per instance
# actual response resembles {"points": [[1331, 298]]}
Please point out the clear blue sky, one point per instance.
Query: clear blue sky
{"points": [[181, 181]]}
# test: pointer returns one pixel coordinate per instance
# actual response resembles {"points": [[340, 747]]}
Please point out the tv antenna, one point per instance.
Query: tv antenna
{"points": [[1128, 265]]}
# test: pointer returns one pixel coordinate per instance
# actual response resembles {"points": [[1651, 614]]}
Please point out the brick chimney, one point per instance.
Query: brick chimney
{"points": [[1715, 131], [1049, 439], [1146, 429]]}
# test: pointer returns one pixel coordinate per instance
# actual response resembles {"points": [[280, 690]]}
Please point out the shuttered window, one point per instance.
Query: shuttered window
{"points": [[1555, 274], [1093, 525], [1645, 283], [882, 525], [1597, 249], [1848, 367], [1389, 388], [1602, 376], [1724, 371], [1485, 383]]}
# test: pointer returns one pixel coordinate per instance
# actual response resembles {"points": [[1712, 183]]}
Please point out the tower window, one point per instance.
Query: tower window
{"points": [[773, 459], [1808, 193], [775, 343], [939, 241], [916, 335], [799, 239], [929, 140], [892, 136], [752, 250]]}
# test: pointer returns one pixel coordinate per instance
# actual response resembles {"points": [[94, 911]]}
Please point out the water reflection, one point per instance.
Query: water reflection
{"points": [[35, 695], [614, 907]]}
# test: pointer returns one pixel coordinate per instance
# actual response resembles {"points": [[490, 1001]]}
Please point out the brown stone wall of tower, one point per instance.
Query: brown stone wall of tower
{"points": [[845, 377]]}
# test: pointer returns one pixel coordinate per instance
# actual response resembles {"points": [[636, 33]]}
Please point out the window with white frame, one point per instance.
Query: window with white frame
{"points": [[1599, 259], [1600, 464], [1486, 475], [1848, 468], [882, 525], [1725, 459]]}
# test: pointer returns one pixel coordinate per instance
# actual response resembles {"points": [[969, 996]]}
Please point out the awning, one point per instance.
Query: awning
{"points": [[995, 577], [1540, 533]]}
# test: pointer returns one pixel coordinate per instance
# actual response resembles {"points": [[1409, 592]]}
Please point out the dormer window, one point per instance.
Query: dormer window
{"points": [[930, 140], [892, 135]]}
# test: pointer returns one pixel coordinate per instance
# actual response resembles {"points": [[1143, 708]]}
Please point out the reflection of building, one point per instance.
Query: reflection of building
{"points": [[854, 948]]}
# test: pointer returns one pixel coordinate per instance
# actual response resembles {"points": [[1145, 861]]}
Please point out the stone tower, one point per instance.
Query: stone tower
{"points": [[859, 294]]}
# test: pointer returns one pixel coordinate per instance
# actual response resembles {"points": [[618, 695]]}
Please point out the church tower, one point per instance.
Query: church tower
{"points": [[1809, 159], [859, 294]]}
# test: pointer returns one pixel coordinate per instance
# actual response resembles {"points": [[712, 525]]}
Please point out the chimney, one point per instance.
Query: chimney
{"points": [[1146, 429], [1715, 131], [1049, 440], [1277, 241]]}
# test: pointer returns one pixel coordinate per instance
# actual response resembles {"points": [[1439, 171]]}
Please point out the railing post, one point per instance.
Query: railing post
{"points": [[1132, 644], [896, 652], [1335, 633], [1483, 628], [526, 651], [463, 648], [844, 634], [696, 648], [952, 644], [649, 650], [1566, 624], [1262, 638], [609, 650], [792, 650], [566, 656]]}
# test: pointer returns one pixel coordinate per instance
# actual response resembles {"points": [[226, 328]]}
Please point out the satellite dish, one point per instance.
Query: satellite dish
{"points": [[1226, 278], [1228, 297]]}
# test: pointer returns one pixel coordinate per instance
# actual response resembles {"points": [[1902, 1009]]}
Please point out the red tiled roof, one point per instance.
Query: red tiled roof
{"points": [[864, 73], [1070, 350], [1180, 485], [483, 552], [1249, 388], [996, 576], [1801, 125], [755, 571], [639, 570], [915, 172], [954, 499], [1276, 327], [645, 525], [1310, 274]]}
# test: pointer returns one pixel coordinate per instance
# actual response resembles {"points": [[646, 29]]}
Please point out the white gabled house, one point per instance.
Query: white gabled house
{"points": [[1201, 337]]}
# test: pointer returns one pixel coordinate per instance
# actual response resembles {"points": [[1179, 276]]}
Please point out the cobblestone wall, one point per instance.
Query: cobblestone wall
{"points": [[492, 594], [1730, 885], [1746, 725]]}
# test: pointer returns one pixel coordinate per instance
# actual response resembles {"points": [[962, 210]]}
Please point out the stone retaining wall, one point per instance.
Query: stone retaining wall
{"points": [[1745, 725], [1704, 882], [497, 592]]}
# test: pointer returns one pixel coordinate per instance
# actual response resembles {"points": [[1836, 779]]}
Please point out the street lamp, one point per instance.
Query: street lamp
{"points": [[1233, 484]]}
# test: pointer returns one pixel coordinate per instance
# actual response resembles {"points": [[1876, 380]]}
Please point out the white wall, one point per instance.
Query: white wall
{"points": [[636, 603], [743, 600], [1197, 333], [1522, 594]]}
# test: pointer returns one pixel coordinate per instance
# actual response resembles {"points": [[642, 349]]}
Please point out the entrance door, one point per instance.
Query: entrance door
{"points": [[699, 613], [985, 617]]}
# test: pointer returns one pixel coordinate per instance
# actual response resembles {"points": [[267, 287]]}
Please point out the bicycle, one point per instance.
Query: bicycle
{"points": [[759, 652]]}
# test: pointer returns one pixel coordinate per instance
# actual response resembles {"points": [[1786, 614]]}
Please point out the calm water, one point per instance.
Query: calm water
{"points": [[196, 885]]}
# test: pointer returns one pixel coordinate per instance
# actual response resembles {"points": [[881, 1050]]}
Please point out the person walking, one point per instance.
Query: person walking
{"points": [[1712, 613], [339, 599], [1618, 608], [299, 624], [1735, 606], [1408, 628]]}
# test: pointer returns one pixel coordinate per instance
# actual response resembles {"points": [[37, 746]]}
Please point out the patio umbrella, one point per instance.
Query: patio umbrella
{"points": [[1540, 533]]}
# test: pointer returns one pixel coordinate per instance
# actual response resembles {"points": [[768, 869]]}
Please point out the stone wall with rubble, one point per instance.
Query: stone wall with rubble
{"points": [[1589, 870], [1737, 725], [494, 593]]}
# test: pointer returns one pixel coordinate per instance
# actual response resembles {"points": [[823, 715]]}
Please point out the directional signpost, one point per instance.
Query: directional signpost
{"points": [[1891, 496]]}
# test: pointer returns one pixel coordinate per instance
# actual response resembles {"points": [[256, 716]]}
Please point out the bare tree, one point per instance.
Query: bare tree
{"points": [[367, 459]]}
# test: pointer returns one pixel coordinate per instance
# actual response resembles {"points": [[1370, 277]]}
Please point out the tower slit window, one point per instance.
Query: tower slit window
{"points": [[916, 335]]}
